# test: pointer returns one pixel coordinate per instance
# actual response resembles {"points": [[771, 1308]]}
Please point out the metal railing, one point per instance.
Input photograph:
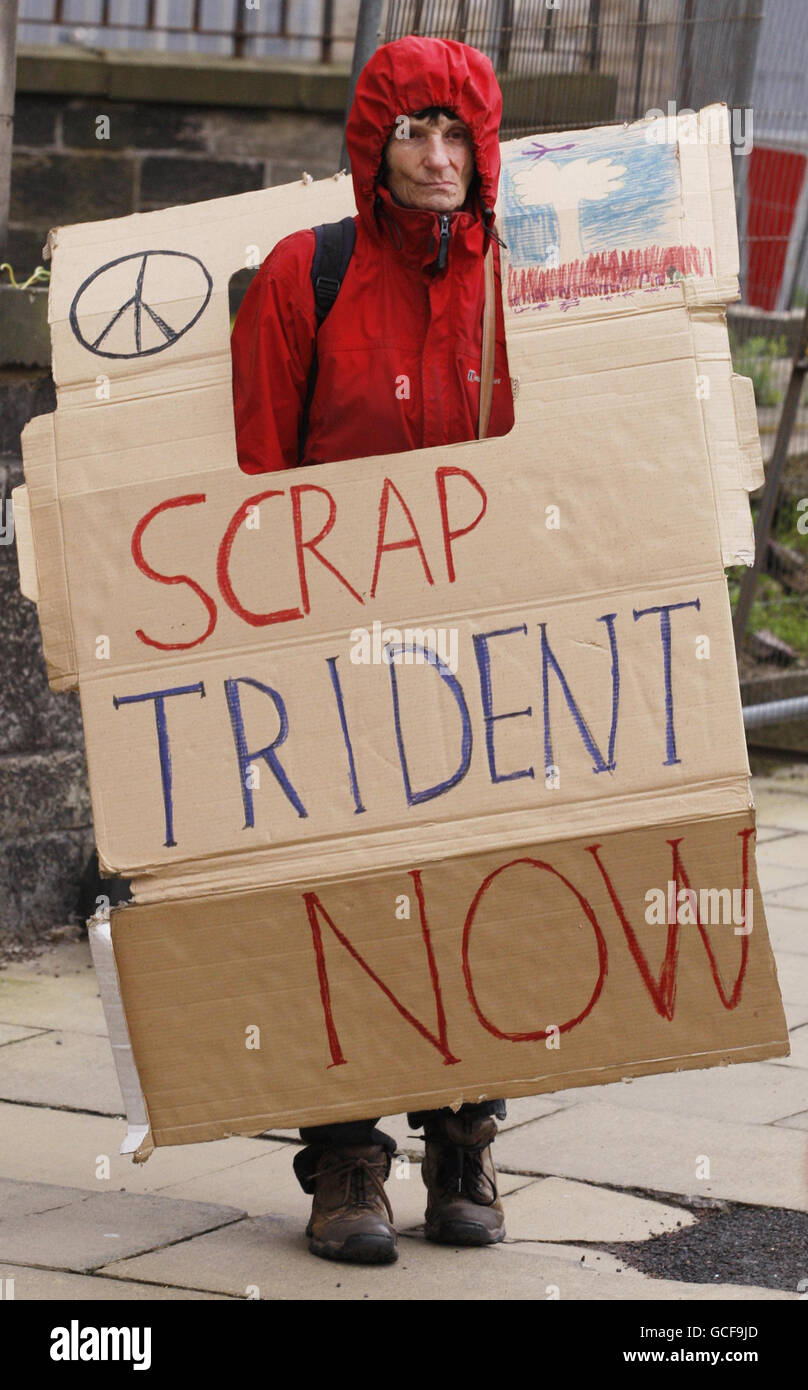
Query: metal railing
{"points": [[319, 30]]}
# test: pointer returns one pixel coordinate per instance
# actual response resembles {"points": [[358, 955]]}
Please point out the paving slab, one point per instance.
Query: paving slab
{"points": [[799, 1121], [70, 1002], [526, 1108], [82, 1234], [787, 810], [23, 1198], [795, 897], [767, 833], [788, 930], [36, 1285], [765, 1165], [269, 1254], [267, 1186], [789, 851], [756, 1091], [796, 1014], [72, 1070], [555, 1209], [776, 878], [63, 1147], [636, 1286], [12, 1032], [798, 1038], [792, 972]]}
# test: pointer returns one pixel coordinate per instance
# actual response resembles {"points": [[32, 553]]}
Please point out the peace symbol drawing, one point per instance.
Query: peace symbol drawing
{"points": [[134, 284]]}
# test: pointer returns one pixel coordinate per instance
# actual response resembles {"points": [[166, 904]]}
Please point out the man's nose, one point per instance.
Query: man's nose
{"points": [[437, 154]]}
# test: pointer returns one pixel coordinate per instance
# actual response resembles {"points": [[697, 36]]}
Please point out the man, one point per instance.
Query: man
{"points": [[400, 364]]}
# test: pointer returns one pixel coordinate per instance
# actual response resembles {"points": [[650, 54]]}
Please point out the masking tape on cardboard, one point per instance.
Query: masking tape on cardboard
{"points": [[743, 396], [26, 559], [110, 988]]}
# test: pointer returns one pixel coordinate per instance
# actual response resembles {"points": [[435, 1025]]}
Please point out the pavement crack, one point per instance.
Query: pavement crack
{"points": [[168, 1244]]}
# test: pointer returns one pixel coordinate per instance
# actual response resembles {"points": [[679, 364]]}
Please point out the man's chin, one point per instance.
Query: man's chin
{"points": [[441, 202]]}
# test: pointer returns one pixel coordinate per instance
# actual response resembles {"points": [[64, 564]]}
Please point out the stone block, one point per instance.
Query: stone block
{"points": [[24, 252], [166, 180], [132, 127], [24, 333], [54, 188], [23, 394], [272, 135], [39, 882], [41, 793], [36, 120]]}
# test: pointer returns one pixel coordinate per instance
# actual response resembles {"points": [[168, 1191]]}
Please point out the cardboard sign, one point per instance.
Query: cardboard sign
{"points": [[428, 769]]}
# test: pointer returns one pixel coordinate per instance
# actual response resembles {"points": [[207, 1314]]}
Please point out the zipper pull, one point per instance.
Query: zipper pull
{"points": [[443, 243]]}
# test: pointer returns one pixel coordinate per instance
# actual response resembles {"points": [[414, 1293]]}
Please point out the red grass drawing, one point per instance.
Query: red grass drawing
{"points": [[606, 273]]}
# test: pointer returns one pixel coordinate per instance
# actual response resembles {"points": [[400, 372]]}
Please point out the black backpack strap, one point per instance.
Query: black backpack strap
{"points": [[333, 248]]}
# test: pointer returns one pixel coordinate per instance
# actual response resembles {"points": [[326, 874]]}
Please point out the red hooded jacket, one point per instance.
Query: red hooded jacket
{"points": [[399, 353]]}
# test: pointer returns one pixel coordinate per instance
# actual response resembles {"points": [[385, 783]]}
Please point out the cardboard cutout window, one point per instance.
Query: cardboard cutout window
{"points": [[387, 362]]}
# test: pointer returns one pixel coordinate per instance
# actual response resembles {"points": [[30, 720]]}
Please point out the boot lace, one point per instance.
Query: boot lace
{"points": [[461, 1171], [363, 1182]]}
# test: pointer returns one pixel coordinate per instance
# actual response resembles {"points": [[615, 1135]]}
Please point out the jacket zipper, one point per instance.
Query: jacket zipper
{"points": [[443, 243]]}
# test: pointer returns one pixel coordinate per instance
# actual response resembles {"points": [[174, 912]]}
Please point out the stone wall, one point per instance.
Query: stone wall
{"points": [[174, 133], [81, 156], [45, 821]]}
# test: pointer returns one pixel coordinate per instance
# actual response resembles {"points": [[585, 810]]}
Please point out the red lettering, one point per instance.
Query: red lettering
{"points": [[301, 545], [730, 1001], [382, 545], [448, 535], [663, 990], [281, 615], [599, 939], [439, 1040], [190, 500]]}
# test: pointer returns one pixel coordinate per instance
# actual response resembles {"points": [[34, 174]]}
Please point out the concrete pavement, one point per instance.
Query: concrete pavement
{"points": [[599, 1184]]}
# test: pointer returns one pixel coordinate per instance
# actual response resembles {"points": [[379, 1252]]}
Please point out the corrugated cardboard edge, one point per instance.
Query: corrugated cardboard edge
{"points": [[736, 461], [138, 1139], [26, 555], [250, 1126], [47, 539], [743, 393]]}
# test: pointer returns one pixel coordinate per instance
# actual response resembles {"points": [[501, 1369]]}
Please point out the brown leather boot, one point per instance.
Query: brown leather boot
{"points": [[351, 1218], [463, 1206]]}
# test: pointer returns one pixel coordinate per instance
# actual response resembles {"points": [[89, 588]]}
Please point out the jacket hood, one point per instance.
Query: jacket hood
{"points": [[409, 75]]}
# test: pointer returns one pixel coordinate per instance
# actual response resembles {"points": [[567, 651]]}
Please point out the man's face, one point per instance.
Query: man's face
{"points": [[430, 163]]}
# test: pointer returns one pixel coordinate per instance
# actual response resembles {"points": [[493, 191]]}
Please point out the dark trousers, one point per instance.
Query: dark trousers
{"points": [[321, 1137]]}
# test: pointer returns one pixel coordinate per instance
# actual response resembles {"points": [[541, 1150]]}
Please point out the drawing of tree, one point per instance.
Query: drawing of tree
{"points": [[565, 187]]}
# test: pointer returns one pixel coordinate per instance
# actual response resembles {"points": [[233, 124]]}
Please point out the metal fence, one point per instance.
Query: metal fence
{"points": [[312, 30]]}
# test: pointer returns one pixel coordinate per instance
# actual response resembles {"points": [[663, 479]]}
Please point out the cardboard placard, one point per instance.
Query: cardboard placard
{"points": [[403, 754]]}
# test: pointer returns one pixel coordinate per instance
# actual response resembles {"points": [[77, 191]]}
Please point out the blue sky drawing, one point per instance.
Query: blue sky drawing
{"points": [[644, 211]]}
